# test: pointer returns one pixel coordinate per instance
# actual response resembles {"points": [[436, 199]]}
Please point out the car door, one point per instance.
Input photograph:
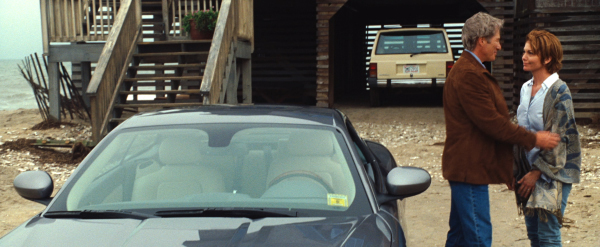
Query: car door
{"points": [[377, 162]]}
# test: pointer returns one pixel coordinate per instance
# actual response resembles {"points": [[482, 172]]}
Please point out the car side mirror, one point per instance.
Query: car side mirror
{"points": [[403, 182], [34, 185]]}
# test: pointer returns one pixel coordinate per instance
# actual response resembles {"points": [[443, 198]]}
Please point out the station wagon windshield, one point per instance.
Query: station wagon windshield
{"points": [[411, 42]]}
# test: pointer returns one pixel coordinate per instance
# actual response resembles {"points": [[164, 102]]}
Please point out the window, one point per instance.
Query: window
{"points": [[411, 42], [220, 165]]}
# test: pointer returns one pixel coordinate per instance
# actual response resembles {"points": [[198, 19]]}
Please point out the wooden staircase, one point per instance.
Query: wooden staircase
{"points": [[148, 63], [163, 74]]}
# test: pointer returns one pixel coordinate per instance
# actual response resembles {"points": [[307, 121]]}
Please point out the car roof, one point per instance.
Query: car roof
{"points": [[413, 29], [280, 114]]}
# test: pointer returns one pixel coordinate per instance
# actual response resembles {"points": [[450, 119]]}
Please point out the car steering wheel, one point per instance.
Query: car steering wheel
{"points": [[300, 173]]}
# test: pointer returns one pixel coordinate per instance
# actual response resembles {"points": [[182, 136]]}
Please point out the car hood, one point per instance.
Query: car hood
{"points": [[314, 231]]}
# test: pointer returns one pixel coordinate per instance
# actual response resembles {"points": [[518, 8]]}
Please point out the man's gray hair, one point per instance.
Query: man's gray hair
{"points": [[479, 25]]}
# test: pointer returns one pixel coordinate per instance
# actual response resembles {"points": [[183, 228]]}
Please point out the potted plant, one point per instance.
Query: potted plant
{"points": [[200, 24]]}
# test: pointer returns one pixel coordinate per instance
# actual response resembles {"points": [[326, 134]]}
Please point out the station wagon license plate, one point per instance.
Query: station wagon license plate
{"points": [[411, 68]]}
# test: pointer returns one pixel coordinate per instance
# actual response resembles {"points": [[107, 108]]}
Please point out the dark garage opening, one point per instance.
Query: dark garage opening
{"points": [[284, 67], [351, 27]]}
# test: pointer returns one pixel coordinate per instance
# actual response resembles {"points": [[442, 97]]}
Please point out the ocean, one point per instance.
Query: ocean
{"points": [[15, 92]]}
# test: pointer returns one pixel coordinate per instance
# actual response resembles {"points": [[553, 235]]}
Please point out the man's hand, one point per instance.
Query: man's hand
{"points": [[511, 185], [528, 182], [546, 139]]}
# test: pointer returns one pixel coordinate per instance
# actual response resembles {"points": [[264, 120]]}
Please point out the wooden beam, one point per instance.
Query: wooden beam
{"points": [[75, 53], [595, 105], [54, 90], [244, 50]]}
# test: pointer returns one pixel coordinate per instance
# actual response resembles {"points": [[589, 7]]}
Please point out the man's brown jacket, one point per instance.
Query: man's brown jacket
{"points": [[479, 133]]}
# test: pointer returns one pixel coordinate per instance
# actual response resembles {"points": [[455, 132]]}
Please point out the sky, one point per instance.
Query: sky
{"points": [[20, 29]]}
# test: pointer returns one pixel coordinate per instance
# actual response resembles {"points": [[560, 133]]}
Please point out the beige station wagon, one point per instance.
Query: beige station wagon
{"points": [[409, 57]]}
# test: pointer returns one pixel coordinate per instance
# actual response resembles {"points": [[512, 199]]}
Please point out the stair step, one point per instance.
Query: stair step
{"points": [[175, 46], [170, 42], [162, 54], [169, 67], [153, 30], [153, 35], [154, 24], [159, 105], [146, 3], [151, 3], [168, 76], [162, 78], [172, 57], [155, 21], [152, 12], [189, 91]]}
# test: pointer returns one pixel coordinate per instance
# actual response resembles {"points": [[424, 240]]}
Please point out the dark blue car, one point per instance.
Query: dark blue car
{"points": [[226, 176]]}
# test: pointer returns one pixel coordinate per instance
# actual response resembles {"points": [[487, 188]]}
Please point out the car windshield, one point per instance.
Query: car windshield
{"points": [[411, 42], [219, 166]]}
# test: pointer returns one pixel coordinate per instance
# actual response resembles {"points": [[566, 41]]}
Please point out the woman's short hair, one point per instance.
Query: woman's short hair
{"points": [[545, 45], [479, 25]]}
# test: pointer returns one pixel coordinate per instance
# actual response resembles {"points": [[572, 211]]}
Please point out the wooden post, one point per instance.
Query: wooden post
{"points": [[54, 90], [229, 73], [232, 86], [86, 75], [45, 40], [246, 66], [96, 118], [165, 14], [325, 10]]}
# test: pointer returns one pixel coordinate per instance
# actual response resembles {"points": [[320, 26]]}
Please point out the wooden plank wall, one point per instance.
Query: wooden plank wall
{"points": [[325, 10], [502, 68], [577, 25], [284, 58]]}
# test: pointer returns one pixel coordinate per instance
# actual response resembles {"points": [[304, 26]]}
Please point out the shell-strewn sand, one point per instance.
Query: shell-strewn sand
{"points": [[414, 135]]}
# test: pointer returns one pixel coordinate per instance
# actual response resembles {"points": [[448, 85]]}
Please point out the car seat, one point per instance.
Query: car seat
{"points": [[182, 172], [308, 151]]}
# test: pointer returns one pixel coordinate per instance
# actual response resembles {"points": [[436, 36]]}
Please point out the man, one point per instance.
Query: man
{"points": [[479, 134]]}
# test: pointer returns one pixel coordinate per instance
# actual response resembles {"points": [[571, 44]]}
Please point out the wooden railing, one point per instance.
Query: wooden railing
{"points": [[77, 20], [112, 66], [175, 10], [235, 23]]}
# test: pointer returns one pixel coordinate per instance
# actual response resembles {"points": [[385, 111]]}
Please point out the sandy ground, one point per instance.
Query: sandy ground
{"points": [[414, 135]]}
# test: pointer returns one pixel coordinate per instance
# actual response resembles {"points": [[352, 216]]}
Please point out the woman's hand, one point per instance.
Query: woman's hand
{"points": [[528, 182]]}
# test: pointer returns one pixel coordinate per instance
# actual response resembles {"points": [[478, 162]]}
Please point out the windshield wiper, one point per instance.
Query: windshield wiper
{"points": [[423, 52], [252, 213], [99, 214]]}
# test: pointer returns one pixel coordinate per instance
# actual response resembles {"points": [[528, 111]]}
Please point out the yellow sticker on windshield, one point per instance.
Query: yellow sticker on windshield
{"points": [[337, 200]]}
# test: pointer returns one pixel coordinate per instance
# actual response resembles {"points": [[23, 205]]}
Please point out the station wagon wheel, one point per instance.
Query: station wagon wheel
{"points": [[300, 173]]}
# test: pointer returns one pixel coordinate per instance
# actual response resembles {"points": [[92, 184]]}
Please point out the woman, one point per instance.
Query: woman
{"points": [[544, 177]]}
